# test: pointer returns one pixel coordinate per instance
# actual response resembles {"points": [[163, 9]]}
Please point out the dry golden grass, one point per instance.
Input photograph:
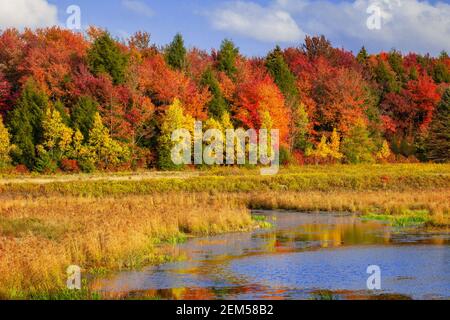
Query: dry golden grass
{"points": [[435, 202], [41, 237]]}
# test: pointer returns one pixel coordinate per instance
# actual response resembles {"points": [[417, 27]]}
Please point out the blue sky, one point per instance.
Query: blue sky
{"points": [[256, 26]]}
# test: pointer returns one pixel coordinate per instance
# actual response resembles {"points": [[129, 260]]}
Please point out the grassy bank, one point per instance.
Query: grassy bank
{"points": [[315, 178], [113, 222], [428, 208], [41, 237]]}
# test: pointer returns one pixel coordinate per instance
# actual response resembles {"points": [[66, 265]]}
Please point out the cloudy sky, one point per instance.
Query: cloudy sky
{"points": [[255, 25]]}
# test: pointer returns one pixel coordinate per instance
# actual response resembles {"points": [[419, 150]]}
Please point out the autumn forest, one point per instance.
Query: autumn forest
{"points": [[77, 102]]}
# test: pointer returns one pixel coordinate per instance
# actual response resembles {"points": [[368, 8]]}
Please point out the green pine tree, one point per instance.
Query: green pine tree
{"points": [[26, 124], [176, 53], [386, 78], [441, 73], [395, 59], [437, 144], [218, 105], [282, 75], [226, 58], [59, 106], [83, 113], [105, 56], [357, 146]]}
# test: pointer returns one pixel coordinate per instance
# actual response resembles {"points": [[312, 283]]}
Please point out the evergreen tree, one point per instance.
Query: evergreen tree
{"points": [[226, 59], [26, 124], [357, 146], [437, 144], [395, 59], [282, 75], [218, 105], [441, 73], [105, 56], [386, 78], [83, 114], [59, 106], [176, 53]]}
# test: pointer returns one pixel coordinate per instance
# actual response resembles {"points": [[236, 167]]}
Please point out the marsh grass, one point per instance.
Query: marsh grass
{"points": [[314, 178], [104, 233], [104, 225], [400, 207]]}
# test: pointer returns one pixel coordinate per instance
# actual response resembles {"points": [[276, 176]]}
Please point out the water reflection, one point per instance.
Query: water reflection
{"points": [[306, 256]]}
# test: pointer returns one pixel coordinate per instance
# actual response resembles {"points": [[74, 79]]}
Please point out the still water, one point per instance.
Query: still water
{"points": [[305, 256]]}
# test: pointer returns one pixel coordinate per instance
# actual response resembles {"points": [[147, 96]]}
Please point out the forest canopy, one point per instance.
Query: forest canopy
{"points": [[84, 102]]}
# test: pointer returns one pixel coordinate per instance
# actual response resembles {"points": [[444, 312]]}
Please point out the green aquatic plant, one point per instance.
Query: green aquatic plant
{"points": [[408, 218], [261, 221]]}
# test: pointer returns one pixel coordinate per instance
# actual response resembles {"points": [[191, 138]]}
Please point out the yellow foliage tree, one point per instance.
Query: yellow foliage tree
{"points": [[322, 150], [226, 121], [325, 149], [335, 146], [385, 151], [57, 136], [5, 145], [173, 119], [106, 152]]}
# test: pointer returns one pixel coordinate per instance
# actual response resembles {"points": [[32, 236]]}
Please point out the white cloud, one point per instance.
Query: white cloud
{"points": [[254, 21], [138, 7], [27, 13], [408, 25]]}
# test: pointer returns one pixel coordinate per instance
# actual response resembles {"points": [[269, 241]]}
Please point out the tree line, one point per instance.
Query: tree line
{"points": [[85, 102]]}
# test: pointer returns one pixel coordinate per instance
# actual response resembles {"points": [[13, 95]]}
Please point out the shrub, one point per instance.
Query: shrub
{"points": [[86, 165], [286, 157], [44, 161], [68, 165], [21, 169]]}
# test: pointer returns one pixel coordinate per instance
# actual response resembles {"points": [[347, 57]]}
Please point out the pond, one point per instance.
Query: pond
{"points": [[304, 256]]}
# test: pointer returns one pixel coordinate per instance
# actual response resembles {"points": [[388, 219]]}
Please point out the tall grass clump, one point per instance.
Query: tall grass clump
{"points": [[40, 237]]}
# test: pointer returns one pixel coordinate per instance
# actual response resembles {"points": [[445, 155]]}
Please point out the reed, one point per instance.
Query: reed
{"points": [[40, 237]]}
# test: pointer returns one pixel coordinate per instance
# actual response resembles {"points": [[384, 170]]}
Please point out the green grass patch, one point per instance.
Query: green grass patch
{"points": [[25, 226], [261, 222], [409, 218]]}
